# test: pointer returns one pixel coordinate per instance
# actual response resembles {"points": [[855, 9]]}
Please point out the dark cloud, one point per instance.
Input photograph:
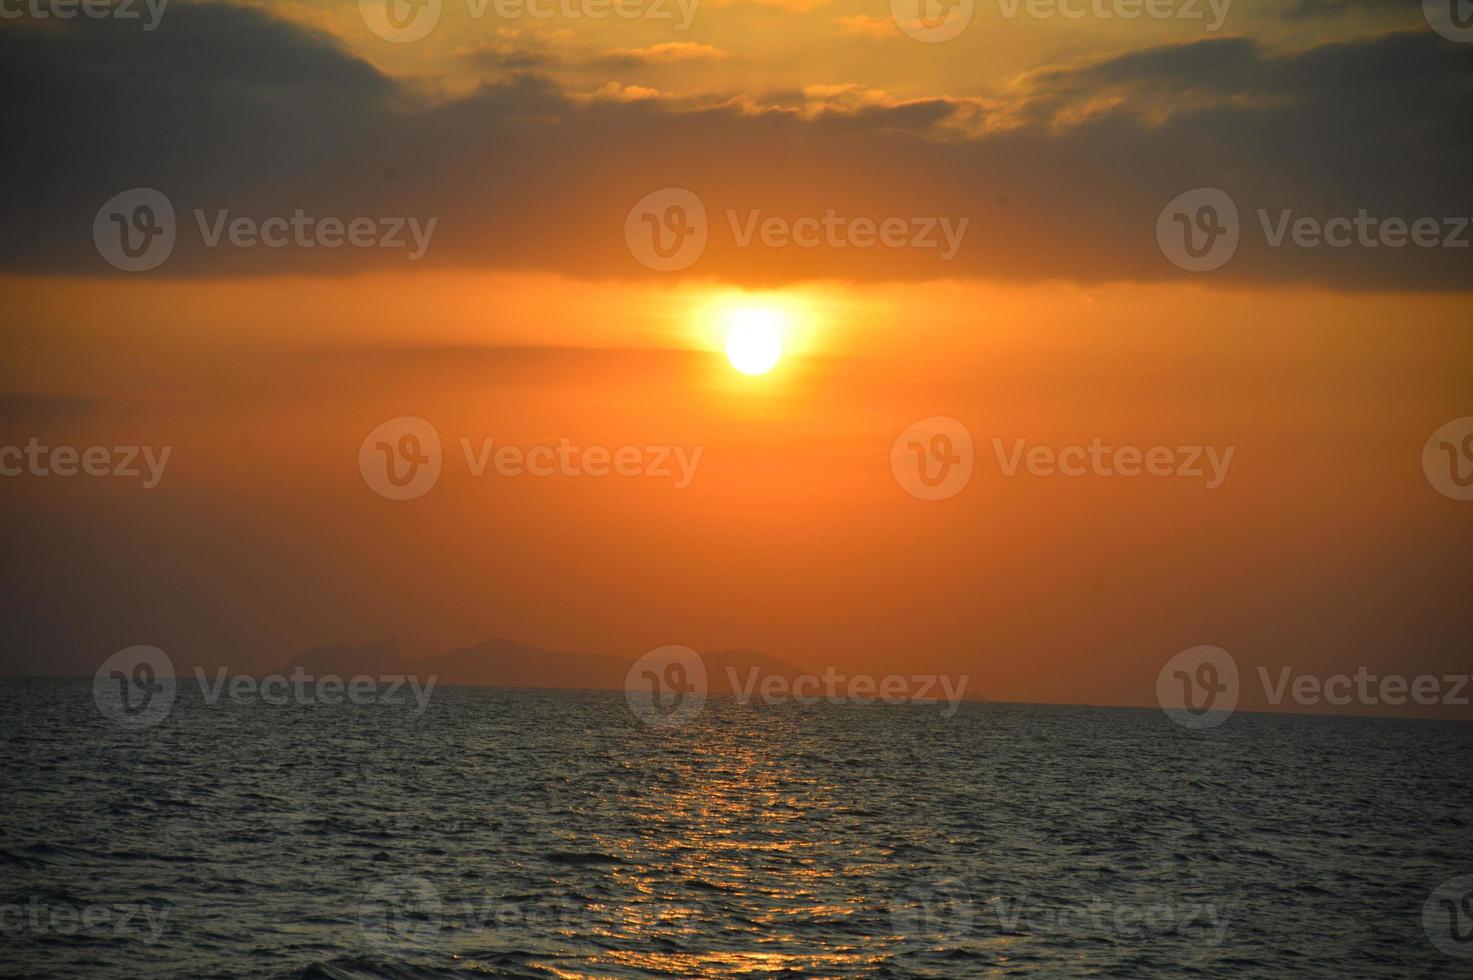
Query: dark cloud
{"points": [[226, 108], [1224, 64]]}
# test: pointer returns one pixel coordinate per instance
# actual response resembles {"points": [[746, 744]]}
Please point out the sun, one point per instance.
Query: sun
{"points": [[758, 330], [754, 337]]}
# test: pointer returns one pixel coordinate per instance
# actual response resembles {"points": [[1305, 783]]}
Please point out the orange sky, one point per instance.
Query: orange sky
{"points": [[529, 322], [1323, 547]]}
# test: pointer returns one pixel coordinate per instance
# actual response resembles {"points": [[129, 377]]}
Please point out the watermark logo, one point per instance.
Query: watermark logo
{"points": [[932, 21], [1447, 459], [667, 230], [400, 21], [1198, 230], [401, 458], [932, 913], [135, 687], [1453, 19], [135, 230], [933, 459], [399, 913], [1198, 688], [666, 688], [1447, 916]]}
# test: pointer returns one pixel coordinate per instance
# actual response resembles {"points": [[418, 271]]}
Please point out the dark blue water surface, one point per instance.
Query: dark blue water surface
{"points": [[551, 834]]}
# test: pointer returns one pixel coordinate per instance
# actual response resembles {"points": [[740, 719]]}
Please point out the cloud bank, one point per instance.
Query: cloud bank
{"points": [[231, 113]]}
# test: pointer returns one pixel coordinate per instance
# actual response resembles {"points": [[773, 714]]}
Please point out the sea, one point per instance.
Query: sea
{"points": [[558, 834]]}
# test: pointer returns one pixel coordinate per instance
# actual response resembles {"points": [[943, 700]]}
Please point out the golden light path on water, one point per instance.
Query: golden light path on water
{"points": [[733, 824]]}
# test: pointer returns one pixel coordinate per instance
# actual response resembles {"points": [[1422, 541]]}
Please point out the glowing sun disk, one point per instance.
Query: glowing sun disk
{"points": [[754, 338]]}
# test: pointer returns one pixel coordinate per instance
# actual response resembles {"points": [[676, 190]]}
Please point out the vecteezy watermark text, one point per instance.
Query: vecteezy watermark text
{"points": [[836, 688], [1200, 687], [834, 230], [1098, 459], [90, 9], [933, 459], [668, 687], [38, 918], [402, 458], [310, 232], [406, 912], [667, 230], [944, 910], [300, 687], [136, 230], [1120, 10], [1205, 920], [403, 21], [569, 459], [1199, 230], [136, 688], [934, 21], [133, 462], [1364, 687]]}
